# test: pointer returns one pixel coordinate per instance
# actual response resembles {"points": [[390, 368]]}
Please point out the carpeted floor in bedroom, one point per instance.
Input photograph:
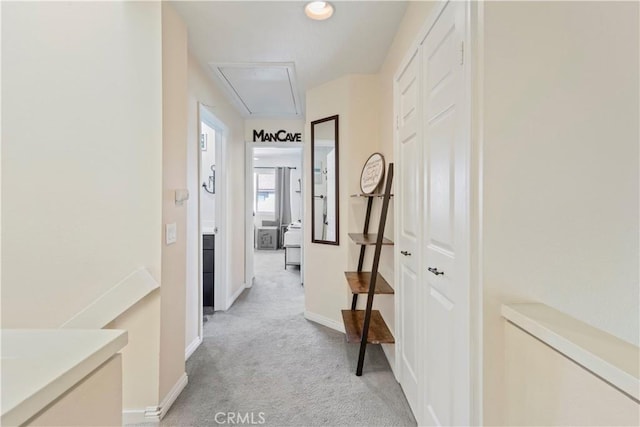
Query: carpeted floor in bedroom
{"points": [[263, 358]]}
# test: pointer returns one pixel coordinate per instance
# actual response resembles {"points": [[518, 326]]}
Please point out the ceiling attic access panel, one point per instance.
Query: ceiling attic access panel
{"points": [[261, 89]]}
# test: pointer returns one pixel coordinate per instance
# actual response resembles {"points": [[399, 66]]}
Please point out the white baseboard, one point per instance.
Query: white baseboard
{"points": [[324, 321], [389, 353], [153, 414], [150, 415], [235, 296], [173, 394], [192, 347]]}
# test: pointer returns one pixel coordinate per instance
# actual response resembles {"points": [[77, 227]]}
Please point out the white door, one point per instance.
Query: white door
{"points": [[446, 221], [409, 205]]}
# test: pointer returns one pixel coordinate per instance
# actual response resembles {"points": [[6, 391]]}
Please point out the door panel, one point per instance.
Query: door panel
{"points": [[439, 200], [438, 386], [446, 233], [409, 231], [409, 325], [433, 226], [410, 180]]}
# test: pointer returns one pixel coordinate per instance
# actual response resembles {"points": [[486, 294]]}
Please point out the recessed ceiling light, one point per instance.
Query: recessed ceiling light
{"points": [[319, 10]]}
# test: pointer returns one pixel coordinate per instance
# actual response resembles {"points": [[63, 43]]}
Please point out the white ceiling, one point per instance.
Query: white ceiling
{"points": [[355, 40], [261, 89]]}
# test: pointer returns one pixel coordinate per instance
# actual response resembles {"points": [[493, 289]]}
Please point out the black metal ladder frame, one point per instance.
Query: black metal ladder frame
{"points": [[374, 268]]}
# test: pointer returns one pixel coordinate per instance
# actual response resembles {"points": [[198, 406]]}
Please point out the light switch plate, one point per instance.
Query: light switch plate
{"points": [[171, 233]]}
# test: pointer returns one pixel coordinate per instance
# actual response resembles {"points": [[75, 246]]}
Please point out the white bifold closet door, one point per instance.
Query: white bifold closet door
{"points": [[409, 187], [434, 226]]}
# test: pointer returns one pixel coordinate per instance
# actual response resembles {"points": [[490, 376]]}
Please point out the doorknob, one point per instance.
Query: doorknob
{"points": [[405, 253], [435, 271]]}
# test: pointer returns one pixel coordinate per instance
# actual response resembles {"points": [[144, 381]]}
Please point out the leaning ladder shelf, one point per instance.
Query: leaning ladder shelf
{"points": [[367, 326]]}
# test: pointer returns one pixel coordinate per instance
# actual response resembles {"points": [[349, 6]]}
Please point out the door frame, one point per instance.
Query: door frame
{"points": [[472, 72], [221, 289], [248, 193]]}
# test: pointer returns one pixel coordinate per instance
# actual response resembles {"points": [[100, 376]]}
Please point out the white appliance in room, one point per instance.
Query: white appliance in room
{"points": [[293, 244]]}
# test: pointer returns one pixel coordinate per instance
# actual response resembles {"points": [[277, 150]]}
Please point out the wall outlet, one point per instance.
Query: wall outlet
{"points": [[171, 233]]}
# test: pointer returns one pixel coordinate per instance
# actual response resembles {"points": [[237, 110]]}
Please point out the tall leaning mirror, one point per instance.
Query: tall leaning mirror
{"points": [[324, 190]]}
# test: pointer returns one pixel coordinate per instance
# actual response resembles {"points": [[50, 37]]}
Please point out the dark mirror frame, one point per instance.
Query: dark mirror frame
{"points": [[337, 181]]}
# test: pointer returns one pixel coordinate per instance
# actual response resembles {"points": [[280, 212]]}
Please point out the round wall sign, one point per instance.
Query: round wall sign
{"points": [[372, 173]]}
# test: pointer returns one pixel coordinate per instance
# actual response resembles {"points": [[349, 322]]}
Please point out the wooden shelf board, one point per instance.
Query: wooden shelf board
{"points": [[368, 239], [379, 333], [359, 282]]}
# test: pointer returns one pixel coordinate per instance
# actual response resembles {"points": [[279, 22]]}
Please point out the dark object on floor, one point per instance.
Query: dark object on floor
{"points": [[208, 269]]}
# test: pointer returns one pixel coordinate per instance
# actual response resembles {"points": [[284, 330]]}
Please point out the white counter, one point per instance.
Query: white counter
{"points": [[609, 357], [38, 366]]}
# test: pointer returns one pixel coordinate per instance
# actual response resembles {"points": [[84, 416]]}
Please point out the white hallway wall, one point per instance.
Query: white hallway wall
{"points": [[174, 141], [560, 168], [324, 288], [355, 99], [202, 90], [82, 189], [59, 188]]}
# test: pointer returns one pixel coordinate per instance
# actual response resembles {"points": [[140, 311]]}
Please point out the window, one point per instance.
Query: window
{"points": [[265, 191]]}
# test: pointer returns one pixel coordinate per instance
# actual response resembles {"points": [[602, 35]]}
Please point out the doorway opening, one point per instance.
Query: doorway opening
{"points": [[206, 225], [209, 137], [274, 200]]}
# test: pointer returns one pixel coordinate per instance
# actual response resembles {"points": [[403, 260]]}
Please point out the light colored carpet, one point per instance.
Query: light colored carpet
{"points": [[263, 356]]}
